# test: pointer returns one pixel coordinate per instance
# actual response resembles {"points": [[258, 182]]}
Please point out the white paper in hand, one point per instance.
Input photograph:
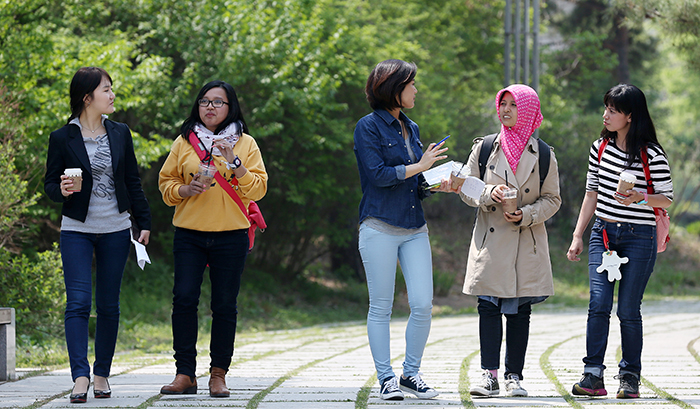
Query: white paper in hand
{"points": [[141, 253], [473, 187], [437, 174]]}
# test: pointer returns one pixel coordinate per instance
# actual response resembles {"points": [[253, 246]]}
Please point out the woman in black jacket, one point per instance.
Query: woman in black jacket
{"points": [[95, 219]]}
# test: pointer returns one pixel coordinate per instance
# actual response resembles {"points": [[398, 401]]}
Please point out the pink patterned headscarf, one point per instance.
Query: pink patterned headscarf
{"points": [[513, 140]]}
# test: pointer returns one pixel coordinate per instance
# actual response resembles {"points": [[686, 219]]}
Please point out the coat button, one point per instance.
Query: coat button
{"points": [[491, 230], [527, 190], [492, 167], [493, 208]]}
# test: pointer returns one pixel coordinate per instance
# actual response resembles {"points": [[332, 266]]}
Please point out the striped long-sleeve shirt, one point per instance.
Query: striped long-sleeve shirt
{"points": [[603, 177]]}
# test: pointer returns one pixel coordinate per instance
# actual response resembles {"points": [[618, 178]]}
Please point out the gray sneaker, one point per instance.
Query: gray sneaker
{"points": [[488, 386], [513, 387]]}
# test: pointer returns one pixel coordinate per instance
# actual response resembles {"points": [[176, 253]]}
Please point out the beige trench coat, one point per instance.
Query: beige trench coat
{"points": [[509, 260]]}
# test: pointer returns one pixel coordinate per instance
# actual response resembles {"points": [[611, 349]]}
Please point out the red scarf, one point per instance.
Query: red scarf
{"points": [[514, 140]]}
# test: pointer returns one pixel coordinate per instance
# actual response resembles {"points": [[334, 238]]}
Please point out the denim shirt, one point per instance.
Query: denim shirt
{"points": [[382, 157]]}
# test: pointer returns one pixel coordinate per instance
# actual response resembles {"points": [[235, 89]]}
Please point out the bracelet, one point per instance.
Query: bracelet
{"points": [[236, 163], [645, 201]]}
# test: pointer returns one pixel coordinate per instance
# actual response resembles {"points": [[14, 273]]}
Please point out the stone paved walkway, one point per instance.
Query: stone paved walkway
{"points": [[331, 367]]}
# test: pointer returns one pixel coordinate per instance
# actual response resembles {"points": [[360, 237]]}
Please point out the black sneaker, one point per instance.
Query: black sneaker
{"points": [[416, 386], [589, 385], [390, 389], [487, 387], [629, 386]]}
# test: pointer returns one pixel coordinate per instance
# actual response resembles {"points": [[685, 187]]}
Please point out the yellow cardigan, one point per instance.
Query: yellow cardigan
{"points": [[213, 210]]}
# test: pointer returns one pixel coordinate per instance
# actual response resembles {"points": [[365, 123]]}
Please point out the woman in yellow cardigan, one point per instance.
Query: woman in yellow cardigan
{"points": [[210, 228]]}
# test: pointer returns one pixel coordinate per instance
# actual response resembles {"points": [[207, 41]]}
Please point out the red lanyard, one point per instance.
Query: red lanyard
{"points": [[605, 240]]}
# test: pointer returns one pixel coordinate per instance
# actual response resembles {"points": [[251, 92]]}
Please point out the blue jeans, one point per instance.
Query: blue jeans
{"points": [[111, 252], [637, 242], [379, 253], [225, 252], [491, 335]]}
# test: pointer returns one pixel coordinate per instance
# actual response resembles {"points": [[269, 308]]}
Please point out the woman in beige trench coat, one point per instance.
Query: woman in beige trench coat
{"points": [[509, 267]]}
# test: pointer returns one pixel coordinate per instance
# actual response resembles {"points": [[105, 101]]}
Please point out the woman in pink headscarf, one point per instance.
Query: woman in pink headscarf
{"points": [[509, 267]]}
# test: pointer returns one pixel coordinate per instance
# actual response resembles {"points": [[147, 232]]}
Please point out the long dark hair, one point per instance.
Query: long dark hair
{"points": [[234, 110], [387, 81], [84, 82], [629, 99]]}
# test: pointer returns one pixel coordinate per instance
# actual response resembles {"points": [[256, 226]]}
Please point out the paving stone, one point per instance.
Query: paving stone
{"points": [[326, 367]]}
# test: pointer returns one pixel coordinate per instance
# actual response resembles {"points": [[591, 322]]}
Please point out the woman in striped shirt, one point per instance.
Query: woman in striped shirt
{"points": [[625, 225]]}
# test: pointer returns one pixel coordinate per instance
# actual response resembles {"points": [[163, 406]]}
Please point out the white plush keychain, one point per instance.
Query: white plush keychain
{"points": [[611, 261]]}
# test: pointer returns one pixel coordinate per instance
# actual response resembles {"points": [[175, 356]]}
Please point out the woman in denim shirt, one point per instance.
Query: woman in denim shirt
{"points": [[390, 161]]}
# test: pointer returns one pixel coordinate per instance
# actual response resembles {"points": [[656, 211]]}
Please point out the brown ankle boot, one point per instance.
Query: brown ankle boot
{"points": [[182, 384], [217, 383]]}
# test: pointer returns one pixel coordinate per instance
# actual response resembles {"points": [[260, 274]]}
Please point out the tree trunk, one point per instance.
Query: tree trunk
{"points": [[622, 43]]}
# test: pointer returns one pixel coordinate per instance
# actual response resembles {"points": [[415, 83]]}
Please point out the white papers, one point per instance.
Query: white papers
{"points": [[473, 187], [141, 253], [437, 174]]}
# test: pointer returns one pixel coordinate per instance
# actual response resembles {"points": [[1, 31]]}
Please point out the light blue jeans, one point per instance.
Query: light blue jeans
{"points": [[379, 253]]}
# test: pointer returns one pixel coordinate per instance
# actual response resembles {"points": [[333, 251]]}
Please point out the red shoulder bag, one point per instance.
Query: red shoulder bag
{"points": [[253, 212]]}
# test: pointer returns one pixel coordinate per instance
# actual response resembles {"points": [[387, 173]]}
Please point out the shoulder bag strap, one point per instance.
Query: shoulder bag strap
{"points": [[485, 152], [647, 174], [543, 160], [601, 148], [196, 144]]}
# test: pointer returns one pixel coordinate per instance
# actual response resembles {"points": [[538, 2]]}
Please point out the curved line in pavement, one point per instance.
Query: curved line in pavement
{"points": [[464, 384], [546, 367], [258, 397]]}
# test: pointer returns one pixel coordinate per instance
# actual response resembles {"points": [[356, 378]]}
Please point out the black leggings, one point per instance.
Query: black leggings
{"points": [[491, 334]]}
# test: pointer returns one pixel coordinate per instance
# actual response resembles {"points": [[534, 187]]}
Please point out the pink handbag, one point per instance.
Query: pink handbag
{"points": [[663, 221]]}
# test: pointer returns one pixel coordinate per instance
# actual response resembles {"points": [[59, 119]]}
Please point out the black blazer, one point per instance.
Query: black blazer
{"points": [[67, 150]]}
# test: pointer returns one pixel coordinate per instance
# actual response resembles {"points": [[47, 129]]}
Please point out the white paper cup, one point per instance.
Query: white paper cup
{"points": [[626, 182], [76, 175], [458, 175]]}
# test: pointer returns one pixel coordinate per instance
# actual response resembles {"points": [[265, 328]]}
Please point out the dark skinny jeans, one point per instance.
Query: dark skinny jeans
{"points": [[491, 334], [225, 253]]}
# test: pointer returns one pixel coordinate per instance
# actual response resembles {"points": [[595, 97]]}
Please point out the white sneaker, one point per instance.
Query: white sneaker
{"points": [[513, 387], [390, 389], [487, 387]]}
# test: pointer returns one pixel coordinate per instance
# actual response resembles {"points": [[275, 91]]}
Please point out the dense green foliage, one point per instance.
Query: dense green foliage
{"points": [[299, 68]]}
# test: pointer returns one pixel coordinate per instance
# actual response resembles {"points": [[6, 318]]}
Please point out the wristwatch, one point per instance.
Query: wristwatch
{"points": [[645, 201], [236, 163]]}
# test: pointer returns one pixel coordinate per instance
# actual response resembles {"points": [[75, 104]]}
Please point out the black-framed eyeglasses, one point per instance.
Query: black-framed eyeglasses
{"points": [[217, 103]]}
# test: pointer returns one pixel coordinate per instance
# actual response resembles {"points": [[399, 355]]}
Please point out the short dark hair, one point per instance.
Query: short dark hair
{"points": [[84, 82], [234, 109], [387, 81], [630, 100]]}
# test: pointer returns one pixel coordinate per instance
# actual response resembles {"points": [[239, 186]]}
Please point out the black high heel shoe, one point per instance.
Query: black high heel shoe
{"points": [[79, 397], [107, 393]]}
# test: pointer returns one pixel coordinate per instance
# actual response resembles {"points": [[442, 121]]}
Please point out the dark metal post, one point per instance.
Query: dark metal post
{"points": [[526, 32], [536, 45], [517, 48], [509, 33], [517, 41]]}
